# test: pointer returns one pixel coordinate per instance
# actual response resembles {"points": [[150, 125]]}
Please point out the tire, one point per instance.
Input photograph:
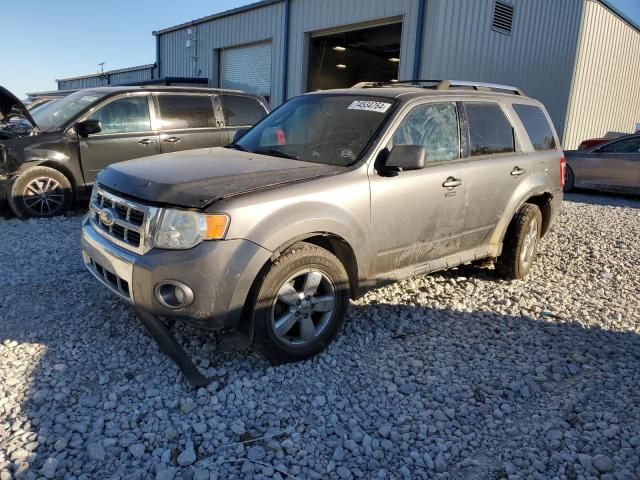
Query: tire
{"points": [[520, 243], [569, 180], [307, 327], [55, 197]]}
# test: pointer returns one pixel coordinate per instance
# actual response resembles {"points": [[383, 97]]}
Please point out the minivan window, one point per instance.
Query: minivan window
{"points": [[186, 111], [434, 126], [124, 115], [54, 115], [241, 111], [490, 132], [537, 126]]}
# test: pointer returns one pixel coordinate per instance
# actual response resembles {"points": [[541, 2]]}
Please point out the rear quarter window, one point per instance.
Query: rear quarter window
{"points": [[490, 131], [537, 127], [241, 111]]}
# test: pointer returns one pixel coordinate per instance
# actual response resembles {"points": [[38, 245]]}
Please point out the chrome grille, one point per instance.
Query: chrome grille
{"points": [[128, 224]]}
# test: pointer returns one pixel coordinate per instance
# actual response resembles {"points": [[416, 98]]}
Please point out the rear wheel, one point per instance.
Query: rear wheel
{"points": [[520, 243], [301, 304], [40, 192], [569, 179]]}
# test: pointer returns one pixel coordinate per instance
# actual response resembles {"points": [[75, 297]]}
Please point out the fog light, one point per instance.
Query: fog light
{"points": [[174, 295]]}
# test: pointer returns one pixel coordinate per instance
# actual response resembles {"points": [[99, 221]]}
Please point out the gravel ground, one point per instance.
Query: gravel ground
{"points": [[455, 375]]}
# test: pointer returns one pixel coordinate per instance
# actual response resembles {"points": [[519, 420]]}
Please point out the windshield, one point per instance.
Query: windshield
{"points": [[329, 129], [53, 115]]}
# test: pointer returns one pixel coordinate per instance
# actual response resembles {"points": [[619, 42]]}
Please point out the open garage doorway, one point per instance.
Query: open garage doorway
{"points": [[340, 60]]}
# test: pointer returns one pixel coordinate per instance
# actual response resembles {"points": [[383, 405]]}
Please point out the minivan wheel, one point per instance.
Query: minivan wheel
{"points": [[521, 243], [569, 179], [301, 304], [40, 192]]}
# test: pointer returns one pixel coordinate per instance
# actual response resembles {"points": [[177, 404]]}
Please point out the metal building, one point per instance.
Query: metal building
{"points": [[580, 57]]}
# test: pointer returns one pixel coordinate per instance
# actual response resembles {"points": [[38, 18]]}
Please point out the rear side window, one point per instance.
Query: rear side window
{"points": [[241, 111], [537, 126], [490, 132], [186, 111], [630, 145]]}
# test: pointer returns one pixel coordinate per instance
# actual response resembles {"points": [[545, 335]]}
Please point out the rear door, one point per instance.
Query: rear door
{"points": [[239, 111], [415, 217], [186, 121], [127, 133], [615, 165], [497, 166]]}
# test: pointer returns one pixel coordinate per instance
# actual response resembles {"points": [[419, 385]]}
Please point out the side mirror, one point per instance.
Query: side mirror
{"points": [[88, 127], [239, 134], [405, 157]]}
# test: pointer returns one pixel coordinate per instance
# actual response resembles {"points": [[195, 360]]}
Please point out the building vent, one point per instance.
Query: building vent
{"points": [[502, 18]]}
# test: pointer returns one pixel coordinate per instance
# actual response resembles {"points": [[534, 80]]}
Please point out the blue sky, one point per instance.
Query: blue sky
{"points": [[44, 40]]}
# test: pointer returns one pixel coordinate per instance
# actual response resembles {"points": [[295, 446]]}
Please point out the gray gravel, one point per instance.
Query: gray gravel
{"points": [[455, 375]]}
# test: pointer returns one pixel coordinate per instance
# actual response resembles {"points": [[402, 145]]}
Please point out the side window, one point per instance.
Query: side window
{"points": [[241, 111], [630, 145], [124, 115], [186, 111], [434, 126], [489, 129], [537, 127]]}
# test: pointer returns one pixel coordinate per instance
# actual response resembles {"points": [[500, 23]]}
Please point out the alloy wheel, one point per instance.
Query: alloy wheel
{"points": [[529, 244], [43, 196], [303, 307]]}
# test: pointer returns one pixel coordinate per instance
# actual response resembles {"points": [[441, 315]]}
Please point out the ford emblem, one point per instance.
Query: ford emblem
{"points": [[108, 217]]}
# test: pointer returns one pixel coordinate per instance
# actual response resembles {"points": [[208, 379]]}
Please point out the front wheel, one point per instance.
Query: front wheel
{"points": [[40, 192], [520, 243], [301, 304]]}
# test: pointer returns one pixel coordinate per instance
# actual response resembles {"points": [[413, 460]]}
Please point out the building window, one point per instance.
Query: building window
{"points": [[343, 59], [502, 18]]}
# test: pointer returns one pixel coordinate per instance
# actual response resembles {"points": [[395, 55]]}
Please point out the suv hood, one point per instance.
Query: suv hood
{"points": [[10, 106], [197, 178]]}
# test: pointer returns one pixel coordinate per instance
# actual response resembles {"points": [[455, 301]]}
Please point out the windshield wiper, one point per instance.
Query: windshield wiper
{"points": [[274, 152], [236, 146]]}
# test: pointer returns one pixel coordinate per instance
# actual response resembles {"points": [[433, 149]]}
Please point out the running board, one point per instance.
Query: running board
{"points": [[170, 347]]}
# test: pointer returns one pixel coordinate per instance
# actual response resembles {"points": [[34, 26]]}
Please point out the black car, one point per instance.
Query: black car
{"points": [[54, 153]]}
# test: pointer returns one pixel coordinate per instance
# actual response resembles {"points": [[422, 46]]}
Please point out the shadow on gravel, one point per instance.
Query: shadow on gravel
{"points": [[407, 390], [604, 199]]}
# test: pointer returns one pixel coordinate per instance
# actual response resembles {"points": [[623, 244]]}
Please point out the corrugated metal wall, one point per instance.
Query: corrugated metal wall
{"points": [[606, 91], [308, 16], [257, 25], [108, 78], [538, 56]]}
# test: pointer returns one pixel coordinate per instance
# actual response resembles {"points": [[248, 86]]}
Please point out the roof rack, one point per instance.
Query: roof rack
{"points": [[444, 85]]}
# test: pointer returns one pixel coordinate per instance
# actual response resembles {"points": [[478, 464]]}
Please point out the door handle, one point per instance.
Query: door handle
{"points": [[517, 171], [146, 141], [452, 182], [171, 140]]}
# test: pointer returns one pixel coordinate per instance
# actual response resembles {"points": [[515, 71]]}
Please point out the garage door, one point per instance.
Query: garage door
{"points": [[247, 68]]}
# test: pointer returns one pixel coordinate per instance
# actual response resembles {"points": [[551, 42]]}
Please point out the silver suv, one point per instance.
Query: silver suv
{"points": [[332, 194]]}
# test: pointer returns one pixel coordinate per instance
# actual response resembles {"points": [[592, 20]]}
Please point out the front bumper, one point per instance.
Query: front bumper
{"points": [[219, 273]]}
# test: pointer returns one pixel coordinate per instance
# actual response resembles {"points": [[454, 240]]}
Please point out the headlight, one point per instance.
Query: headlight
{"points": [[183, 229]]}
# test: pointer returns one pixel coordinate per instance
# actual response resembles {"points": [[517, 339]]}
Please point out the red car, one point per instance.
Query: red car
{"points": [[594, 142]]}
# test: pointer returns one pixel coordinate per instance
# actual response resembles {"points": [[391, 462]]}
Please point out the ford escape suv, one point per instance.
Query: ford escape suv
{"points": [[53, 154], [332, 194]]}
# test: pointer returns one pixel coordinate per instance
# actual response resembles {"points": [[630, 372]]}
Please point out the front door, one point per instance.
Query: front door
{"points": [[187, 122], [614, 165], [126, 134], [418, 216]]}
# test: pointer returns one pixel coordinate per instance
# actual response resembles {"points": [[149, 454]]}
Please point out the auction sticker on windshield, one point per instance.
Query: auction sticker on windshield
{"points": [[369, 106]]}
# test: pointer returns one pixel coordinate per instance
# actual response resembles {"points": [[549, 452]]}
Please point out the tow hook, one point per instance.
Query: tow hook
{"points": [[170, 347]]}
